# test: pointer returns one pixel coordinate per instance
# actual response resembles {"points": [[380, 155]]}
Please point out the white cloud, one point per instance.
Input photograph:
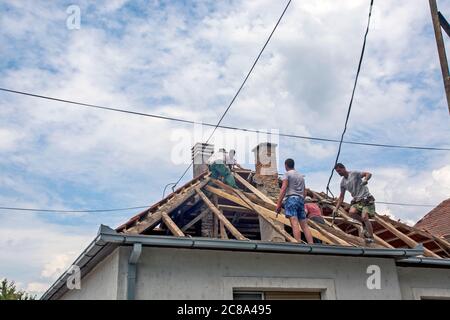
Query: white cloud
{"points": [[37, 288], [58, 264], [188, 63]]}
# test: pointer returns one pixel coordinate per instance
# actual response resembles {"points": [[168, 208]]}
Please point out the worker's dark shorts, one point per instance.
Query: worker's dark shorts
{"points": [[295, 207]]}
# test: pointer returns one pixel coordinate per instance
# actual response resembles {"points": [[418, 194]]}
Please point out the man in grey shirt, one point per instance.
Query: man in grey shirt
{"points": [[363, 203], [293, 193]]}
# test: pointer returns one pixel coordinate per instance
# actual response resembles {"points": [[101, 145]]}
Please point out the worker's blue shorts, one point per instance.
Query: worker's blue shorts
{"points": [[295, 207]]}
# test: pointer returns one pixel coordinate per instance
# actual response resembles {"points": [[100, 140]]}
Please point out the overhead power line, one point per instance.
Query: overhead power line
{"points": [[167, 118], [239, 90], [64, 211], [71, 211], [406, 204], [352, 97]]}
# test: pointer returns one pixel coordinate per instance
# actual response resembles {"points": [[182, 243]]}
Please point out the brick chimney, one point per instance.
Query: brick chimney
{"points": [[200, 154], [266, 180], [266, 175]]}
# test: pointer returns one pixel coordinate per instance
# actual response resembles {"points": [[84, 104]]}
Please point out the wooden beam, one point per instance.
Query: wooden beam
{"points": [[281, 218], [216, 230], [235, 232], [234, 209], [276, 227], [336, 239], [171, 225], [410, 242], [147, 223], [176, 201], [380, 231], [195, 220], [247, 184], [357, 224], [223, 232]]}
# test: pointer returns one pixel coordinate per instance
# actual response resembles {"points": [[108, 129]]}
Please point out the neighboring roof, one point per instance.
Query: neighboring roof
{"points": [[437, 221]]}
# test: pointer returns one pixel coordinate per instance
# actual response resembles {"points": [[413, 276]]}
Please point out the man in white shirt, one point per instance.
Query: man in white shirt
{"points": [[363, 203], [218, 168], [231, 160]]}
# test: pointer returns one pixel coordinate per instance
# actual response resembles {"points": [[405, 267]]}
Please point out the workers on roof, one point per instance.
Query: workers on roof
{"points": [[313, 211], [217, 164], [231, 160], [363, 203], [293, 194]]}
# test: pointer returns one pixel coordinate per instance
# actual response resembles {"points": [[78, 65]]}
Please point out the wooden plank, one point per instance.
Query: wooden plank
{"points": [[234, 209], [132, 222], [276, 227], [337, 240], [223, 232], [235, 232], [281, 218], [423, 233], [247, 184], [357, 224], [176, 201], [195, 220], [410, 242], [216, 227], [147, 223], [171, 225]]}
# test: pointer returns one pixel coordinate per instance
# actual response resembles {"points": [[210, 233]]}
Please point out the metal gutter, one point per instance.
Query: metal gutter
{"points": [[423, 262], [108, 239], [242, 245]]}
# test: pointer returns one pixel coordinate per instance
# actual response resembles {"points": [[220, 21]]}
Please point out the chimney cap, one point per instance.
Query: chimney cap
{"points": [[264, 144]]}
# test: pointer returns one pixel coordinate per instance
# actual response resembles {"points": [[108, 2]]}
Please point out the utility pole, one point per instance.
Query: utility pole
{"points": [[438, 22]]}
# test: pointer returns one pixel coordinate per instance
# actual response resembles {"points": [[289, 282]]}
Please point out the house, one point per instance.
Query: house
{"points": [[209, 241], [437, 221]]}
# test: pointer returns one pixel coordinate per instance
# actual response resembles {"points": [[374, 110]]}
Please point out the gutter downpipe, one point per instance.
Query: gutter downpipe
{"points": [[132, 270]]}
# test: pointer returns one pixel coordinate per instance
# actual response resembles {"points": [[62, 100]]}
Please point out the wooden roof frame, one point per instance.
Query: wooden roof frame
{"points": [[255, 203]]}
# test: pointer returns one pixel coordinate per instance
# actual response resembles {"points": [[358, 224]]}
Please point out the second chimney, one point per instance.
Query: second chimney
{"points": [[200, 155]]}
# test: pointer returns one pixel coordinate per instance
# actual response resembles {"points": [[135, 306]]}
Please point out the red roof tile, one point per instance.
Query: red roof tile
{"points": [[437, 221]]}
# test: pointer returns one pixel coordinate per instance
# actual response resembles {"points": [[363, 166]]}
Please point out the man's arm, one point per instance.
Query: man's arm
{"points": [[366, 177], [282, 194], [237, 165], [339, 202]]}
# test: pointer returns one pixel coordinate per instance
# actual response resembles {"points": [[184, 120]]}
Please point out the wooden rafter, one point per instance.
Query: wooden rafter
{"points": [[171, 225], [235, 232], [195, 220], [269, 220], [438, 240], [223, 232], [357, 224], [410, 242], [281, 218], [321, 228], [234, 208], [258, 193], [151, 219]]}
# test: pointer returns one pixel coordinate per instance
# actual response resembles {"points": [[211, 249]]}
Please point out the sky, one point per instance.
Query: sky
{"points": [[186, 59]]}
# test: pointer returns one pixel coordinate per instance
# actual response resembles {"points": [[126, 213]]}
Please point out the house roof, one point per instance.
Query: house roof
{"points": [[238, 214], [174, 221], [108, 240], [437, 221]]}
